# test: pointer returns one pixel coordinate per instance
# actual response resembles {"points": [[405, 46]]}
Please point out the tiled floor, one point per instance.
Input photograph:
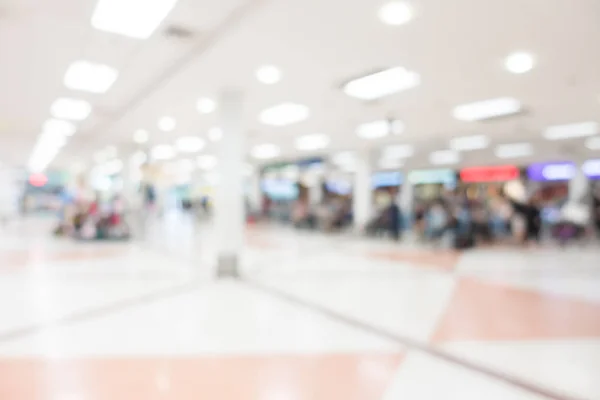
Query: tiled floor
{"points": [[314, 317]]}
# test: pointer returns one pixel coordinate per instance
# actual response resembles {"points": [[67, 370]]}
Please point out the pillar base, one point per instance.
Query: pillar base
{"points": [[228, 266]]}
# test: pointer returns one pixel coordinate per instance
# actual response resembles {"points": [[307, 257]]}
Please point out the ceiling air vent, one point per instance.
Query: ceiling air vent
{"points": [[178, 32]]}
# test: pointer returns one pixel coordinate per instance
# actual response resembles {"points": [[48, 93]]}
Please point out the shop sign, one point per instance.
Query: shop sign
{"points": [[500, 173], [427, 176], [560, 171]]}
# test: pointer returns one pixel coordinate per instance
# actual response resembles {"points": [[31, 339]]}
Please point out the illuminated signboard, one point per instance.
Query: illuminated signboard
{"points": [[386, 179], [558, 171], [500, 173], [427, 176]]}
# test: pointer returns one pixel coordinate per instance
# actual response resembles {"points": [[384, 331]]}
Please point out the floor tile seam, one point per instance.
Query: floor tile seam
{"points": [[103, 310], [410, 344]]}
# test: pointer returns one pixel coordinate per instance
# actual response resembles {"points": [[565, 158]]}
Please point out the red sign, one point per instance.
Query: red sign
{"points": [[38, 180], [499, 173]]}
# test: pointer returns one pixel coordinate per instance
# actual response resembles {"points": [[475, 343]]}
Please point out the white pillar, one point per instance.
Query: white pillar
{"points": [[579, 186], [405, 201], [254, 191], [363, 192], [229, 204]]}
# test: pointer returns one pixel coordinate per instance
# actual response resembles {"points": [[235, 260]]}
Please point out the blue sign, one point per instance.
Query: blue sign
{"points": [[386, 179]]}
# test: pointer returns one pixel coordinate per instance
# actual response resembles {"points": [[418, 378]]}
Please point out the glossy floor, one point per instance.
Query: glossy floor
{"points": [[314, 317]]}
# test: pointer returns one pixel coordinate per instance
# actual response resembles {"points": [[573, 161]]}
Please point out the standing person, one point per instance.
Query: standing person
{"points": [[532, 216], [438, 219]]}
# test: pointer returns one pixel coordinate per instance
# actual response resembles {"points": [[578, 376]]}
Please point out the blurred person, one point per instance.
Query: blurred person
{"points": [[531, 213], [420, 225], [438, 221]]}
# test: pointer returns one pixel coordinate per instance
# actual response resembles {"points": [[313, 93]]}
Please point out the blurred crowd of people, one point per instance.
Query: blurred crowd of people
{"points": [[464, 222]]}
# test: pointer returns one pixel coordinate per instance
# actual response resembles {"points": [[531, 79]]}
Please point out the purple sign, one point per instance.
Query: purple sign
{"points": [[591, 169], [559, 171]]}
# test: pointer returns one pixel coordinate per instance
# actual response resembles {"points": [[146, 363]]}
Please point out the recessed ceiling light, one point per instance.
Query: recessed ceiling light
{"points": [[284, 114], [373, 130], [444, 157], [396, 151], [315, 141], [593, 143], [468, 143], [133, 18], [265, 151], [162, 152], [382, 83], [71, 109], [487, 109], [140, 136], [514, 150], [391, 163], [395, 13], [268, 74], [189, 144], [215, 134], [206, 105], [112, 167], [90, 77], [519, 62], [167, 124], [570, 131], [59, 127], [206, 162]]}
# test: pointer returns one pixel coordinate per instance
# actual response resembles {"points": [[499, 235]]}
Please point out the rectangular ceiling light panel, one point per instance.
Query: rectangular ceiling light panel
{"points": [[570, 131], [284, 114], [382, 83], [374, 130], [514, 150], [487, 109], [137, 19], [396, 151], [469, 143], [444, 157], [90, 77], [310, 142], [70, 109]]}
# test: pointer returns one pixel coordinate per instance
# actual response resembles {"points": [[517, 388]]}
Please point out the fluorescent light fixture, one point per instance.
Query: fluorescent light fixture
{"points": [[42, 155], [189, 144], [593, 143], [395, 13], [487, 109], [382, 83], [137, 19], [52, 140], [268, 74], [570, 131], [59, 127], [396, 151], [162, 152], [71, 109], [206, 105], [284, 114], [468, 143], [141, 136], [315, 141], [206, 162], [519, 62], [265, 151], [167, 124], [391, 163], [215, 134], [90, 77], [373, 130], [513, 150], [444, 157]]}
